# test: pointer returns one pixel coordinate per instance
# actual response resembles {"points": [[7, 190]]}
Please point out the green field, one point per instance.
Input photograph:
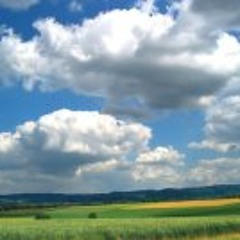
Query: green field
{"points": [[171, 228], [126, 221], [126, 211]]}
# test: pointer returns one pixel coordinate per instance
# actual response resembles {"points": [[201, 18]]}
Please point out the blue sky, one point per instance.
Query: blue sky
{"points": [[118, 95]]}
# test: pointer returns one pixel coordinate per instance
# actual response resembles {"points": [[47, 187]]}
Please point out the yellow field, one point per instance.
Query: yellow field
{"points": [[185, 204]]}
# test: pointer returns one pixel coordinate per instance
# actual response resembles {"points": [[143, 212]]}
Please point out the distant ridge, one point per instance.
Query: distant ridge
{"points": [[169, 194]]}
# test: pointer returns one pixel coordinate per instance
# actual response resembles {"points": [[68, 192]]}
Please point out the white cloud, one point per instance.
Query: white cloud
{"points": [[222, 126], [160, 155], [61, 142], [222, 114], [162, 164], [147, 6], [164, 168], [75, 151], [138, 58], [227, 51], [98, 167], [113, 54], [212, 145], [215, 171], [18, 4]]}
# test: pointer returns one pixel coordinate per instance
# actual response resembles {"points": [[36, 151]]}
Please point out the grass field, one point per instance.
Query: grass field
{"points": [[215, 219], [221, 207], [172, 228]]}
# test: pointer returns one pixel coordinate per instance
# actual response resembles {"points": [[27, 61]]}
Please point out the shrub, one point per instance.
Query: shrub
{"points": [[92, 215], [42, 215]]}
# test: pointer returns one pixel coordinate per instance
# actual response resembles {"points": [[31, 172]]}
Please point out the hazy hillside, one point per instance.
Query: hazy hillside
{"points": [[218, 191]]}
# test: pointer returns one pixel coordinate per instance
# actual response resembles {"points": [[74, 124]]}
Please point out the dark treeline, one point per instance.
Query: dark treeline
{"points": [[28, 206], [28, 201]]}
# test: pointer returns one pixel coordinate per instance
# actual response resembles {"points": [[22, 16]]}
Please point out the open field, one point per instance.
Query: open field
{"points": [[219, 207], [187, 220], [172, 228], [184, 204]]}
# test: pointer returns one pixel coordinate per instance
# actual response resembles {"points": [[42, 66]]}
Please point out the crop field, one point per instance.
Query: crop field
{"points": [[221, 207], [172, 228], [203, 220], [192, 203]]}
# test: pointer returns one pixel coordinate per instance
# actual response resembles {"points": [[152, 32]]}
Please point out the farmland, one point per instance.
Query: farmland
{"points": [[212, 219]]}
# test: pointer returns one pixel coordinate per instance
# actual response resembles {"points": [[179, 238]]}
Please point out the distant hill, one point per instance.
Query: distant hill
{"points": [[210, 192]]}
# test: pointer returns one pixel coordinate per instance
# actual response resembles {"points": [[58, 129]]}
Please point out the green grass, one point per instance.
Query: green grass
{"points": [[123, 222], [116, 229], [123, 211], [127, 211]]}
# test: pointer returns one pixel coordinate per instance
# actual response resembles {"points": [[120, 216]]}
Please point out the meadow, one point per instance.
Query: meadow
{"points": [[214, 219]]}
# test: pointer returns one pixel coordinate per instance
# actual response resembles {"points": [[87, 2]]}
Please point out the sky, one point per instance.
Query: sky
{"points": [[118, 95]]}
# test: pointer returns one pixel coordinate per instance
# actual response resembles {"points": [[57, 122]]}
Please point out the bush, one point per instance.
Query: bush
{"points": [[42, 215], [92, 215]]}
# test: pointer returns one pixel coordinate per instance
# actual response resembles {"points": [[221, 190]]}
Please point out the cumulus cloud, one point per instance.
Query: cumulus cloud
{"points": [[215, 171], [154, 60], [147, 6], [221, 14], [222, 114], [69, 149], [160, 155], [62, 141], [18, 4], [75, 151], [222, 126], [152, 168], [138, 60], [162, 164]]}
